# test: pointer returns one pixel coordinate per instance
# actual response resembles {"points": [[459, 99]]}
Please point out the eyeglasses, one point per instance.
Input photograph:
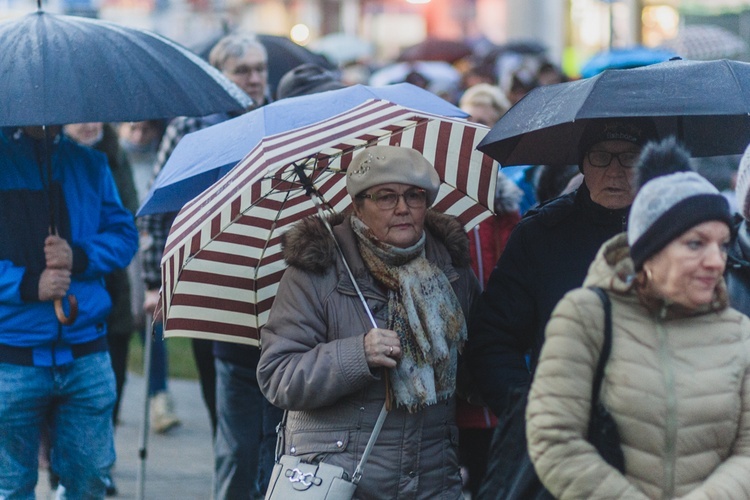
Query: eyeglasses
{"points": [[244, 70], [627, 159], [387, 200]]}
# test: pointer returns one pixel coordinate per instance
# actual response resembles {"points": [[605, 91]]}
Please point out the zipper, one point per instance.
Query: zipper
{"points": [[670, 445]]}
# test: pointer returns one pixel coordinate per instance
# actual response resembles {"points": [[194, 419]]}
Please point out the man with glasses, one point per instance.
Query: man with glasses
{"points": [[547, 255], [242, 421]]}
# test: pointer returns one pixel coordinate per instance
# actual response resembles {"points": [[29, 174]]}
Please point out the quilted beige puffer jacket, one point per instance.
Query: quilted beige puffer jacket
{"points": [[678, 387]]}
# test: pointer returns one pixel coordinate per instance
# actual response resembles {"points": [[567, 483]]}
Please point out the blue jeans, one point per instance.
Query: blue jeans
{"points": [[76, 400], [246, 434]]}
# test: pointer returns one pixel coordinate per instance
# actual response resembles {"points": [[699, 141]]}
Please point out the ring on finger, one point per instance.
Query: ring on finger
{"points": [[390, 351]]}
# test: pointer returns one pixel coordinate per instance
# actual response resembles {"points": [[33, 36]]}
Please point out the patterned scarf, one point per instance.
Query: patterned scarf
{"points": [[425, 313]]}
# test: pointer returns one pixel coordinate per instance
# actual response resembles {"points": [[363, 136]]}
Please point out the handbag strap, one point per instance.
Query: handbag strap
{"points": [[370, 443], [606, 345], [365, 455]]}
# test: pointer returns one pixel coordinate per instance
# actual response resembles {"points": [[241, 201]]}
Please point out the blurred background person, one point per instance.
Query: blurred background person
{"points": [[485, 104], [140, 141]]}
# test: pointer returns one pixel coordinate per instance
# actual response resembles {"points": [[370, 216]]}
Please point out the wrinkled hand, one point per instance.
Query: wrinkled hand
{"points": [[382, 348], [150, 301], [58, 253], [53, 284]]}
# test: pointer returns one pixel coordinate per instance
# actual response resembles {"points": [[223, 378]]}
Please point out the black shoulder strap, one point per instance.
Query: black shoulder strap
{"points": [[606, 345]]}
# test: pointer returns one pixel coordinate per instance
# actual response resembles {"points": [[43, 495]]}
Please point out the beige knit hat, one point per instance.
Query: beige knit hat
{"points": [[385, 164]]}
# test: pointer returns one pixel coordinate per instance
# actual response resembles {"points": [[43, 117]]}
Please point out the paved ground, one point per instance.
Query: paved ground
{"points": [[178, 464]]}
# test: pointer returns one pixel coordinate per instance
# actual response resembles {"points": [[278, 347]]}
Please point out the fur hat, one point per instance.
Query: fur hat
{"points": [[636, 130], [672, 198], [743, 185], [306, 79], [385, 164]]}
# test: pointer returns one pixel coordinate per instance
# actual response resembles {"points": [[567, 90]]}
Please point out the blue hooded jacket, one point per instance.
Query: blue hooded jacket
{"points": [[88, 214]]}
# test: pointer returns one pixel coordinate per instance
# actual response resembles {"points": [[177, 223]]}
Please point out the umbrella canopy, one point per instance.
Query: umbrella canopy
{"points": [[223, 262], [705, 104], [436, 49], [62, 69], [203, 157], [624, 58], [706, 42]]}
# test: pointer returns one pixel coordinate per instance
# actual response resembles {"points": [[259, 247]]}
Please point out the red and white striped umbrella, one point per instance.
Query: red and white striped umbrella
{"points": [[223, 261]]}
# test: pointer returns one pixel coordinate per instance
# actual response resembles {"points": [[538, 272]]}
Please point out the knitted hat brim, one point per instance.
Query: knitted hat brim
{"points": [[681, 217]]}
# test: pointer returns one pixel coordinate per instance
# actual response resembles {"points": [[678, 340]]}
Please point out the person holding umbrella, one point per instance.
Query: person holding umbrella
{"points": [[63, 229], [324, 362], [547, 255], [677, 381]]}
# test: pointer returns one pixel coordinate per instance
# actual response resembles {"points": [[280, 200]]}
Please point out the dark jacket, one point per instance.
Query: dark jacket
{"points": [[120, 320], [547, 255], [738, 268]]}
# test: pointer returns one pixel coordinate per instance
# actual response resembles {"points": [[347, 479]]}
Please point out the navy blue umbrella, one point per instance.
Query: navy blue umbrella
{"points": [[203, 157], [705, 104], [58, 69]]}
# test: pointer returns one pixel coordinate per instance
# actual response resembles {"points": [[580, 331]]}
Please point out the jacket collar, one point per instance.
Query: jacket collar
{"points": [[598, 214]]}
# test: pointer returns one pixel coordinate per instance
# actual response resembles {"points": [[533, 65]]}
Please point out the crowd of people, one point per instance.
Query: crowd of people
{"points": [[483, 346]]}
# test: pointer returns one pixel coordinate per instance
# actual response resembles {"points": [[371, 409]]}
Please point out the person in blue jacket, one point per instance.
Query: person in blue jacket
{"points": [[62, 230]]}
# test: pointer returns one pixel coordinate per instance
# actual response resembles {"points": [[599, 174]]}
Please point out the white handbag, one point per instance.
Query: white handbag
{"points": [[293, 478]]}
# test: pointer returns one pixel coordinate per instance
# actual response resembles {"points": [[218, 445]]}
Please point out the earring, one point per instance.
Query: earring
{"points": [[649, 276]]}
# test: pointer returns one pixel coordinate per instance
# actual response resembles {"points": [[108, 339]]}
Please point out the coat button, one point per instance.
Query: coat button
{"points": [[412, 474], [339, 444], [293, 450]]}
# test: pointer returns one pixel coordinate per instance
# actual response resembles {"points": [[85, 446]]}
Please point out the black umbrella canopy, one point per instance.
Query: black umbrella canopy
{"points": [[705, 104], [58, 69]]}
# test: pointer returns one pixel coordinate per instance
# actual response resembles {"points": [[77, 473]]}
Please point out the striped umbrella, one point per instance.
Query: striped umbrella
{"points": [[223, 261]]}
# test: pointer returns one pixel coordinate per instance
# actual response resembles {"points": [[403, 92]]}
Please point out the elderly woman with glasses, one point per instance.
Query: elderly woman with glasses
{"points": [[324, 362]]}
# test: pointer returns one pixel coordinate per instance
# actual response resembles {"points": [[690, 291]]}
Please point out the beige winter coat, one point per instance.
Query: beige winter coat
{"points": [[313, 364], [678, 388]]}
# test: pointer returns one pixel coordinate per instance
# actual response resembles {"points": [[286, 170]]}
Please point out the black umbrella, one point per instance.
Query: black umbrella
{"points": [[58, 69], [705, 104]]}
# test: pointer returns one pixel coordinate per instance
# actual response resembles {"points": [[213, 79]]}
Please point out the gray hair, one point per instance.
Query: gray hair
{"points": [[234, 46]]}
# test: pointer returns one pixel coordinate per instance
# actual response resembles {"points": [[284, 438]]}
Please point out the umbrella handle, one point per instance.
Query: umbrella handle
{"points": [[60, 312]]}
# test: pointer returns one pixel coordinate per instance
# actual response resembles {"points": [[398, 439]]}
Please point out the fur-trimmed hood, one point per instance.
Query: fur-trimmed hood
{"points": [[309, 246]]}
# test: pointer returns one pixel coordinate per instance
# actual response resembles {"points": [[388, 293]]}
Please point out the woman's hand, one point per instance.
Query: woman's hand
{"points": [[382, 348]]}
